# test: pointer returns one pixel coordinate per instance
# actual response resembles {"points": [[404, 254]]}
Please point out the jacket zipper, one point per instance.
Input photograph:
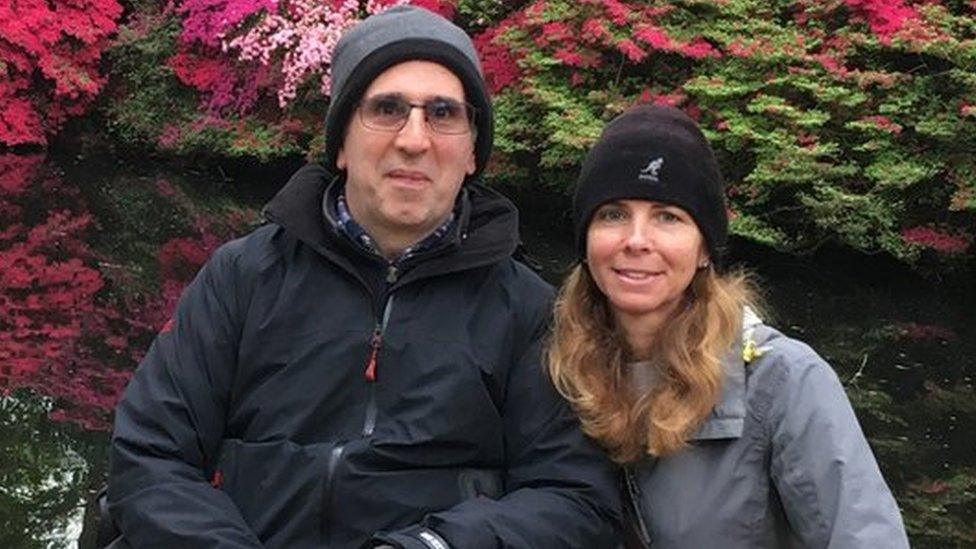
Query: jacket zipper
{"points": [[637, 506], [372, 363], [369, 423], [335, 456]]}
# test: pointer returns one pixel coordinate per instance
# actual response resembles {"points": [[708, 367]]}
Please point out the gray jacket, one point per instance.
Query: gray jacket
{"points": [[781, 462]]}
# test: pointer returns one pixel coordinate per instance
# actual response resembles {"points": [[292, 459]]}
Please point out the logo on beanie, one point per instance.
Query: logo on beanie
{"points": [[649, 173]]}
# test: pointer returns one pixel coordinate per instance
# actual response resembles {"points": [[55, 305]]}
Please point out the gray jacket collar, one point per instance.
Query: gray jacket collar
{"points": [[728, 417]]}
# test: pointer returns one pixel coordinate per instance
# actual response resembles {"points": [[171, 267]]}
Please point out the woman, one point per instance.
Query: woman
{"points": [[732, 434]]}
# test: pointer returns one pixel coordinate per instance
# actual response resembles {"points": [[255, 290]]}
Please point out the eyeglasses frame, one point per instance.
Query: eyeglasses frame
{"points": [[471, 110]]}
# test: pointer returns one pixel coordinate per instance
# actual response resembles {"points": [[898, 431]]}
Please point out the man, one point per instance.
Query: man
{"points": [[365, 369]]}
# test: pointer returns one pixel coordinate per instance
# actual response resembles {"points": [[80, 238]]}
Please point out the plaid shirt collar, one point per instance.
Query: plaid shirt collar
{"points": [[356, 233]]}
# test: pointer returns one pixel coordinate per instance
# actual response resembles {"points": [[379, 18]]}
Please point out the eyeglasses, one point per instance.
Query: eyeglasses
{"points": [[389, 113]]}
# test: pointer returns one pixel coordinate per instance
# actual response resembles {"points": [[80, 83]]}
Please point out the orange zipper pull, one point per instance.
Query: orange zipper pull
{"points": [[374, 352]]}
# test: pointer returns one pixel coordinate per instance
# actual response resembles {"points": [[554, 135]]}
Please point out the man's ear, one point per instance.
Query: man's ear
{"points": [[471, 164], [341, 158]]}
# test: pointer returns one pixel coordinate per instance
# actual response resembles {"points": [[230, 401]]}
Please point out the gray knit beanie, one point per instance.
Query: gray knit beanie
{"points": [[403, 33]]}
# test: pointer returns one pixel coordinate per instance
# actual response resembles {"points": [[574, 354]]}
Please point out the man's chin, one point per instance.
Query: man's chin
{"points": [[411, 222]]}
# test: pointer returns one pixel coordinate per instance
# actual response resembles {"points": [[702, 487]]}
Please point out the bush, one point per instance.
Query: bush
{"points": [[843, 121], [49, 64], [834, 121]]}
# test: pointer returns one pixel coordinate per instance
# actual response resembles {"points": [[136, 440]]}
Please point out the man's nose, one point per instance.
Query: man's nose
{"points": [[414, 136]]}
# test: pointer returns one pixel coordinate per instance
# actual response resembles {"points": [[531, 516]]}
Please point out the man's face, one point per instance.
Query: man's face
{"points": [[401, 185]]}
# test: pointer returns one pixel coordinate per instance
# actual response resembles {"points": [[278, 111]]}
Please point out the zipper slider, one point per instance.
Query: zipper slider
{"points": [[391, 274], [374, 350]]}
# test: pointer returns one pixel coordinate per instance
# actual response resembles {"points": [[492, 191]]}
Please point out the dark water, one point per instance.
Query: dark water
{"points": [[93, 255]]}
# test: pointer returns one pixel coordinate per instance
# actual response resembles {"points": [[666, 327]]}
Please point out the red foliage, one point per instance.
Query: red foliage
{"points": [[569, 57], [222, 84], [20, 122], [669, 99], [658, 39], [50, 53], [583, 43], [54, 322], [698, 49], [631, 50], [885, 17], [939, 239], [654, 37], [619, 12], [914, 330], [594, 31], [180, 258], [445, 8], [883, 123], [64, 331], [206, 21], [500, 64], [556, 31], [225, 86]]}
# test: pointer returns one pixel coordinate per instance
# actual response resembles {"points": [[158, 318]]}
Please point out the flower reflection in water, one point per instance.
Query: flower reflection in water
{"points": [[79, 305]]}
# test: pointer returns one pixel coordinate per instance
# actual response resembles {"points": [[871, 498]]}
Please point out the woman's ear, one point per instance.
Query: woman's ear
{"points": [[703, 261]]}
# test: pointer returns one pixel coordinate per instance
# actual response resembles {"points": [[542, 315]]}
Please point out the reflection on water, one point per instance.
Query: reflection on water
{"points": [[46, 474], [92, 261], [93, 258], [56, 325]]}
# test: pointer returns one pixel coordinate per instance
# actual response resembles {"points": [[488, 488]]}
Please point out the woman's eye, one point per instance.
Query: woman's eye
{"points": [[668, 216], [611, 214]]}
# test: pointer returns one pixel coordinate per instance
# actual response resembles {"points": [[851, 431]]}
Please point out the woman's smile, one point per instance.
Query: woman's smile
{"points": [[643, 255]]}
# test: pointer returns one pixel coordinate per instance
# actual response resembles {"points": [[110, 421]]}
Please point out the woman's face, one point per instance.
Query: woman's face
{"points": [[642, 255]]}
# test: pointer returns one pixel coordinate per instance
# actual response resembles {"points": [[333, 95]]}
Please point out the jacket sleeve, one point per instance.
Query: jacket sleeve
{"points": [[826, 475], [169, 424], [560, 488]]}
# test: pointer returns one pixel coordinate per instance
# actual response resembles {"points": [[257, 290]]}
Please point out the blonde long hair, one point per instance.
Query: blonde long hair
{"points": [[587, 360]]}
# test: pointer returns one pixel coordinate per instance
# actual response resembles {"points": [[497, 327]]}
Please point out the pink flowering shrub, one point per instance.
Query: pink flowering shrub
{"points": [[207, 21], [251, 76], [49, 64], [300, 36]]}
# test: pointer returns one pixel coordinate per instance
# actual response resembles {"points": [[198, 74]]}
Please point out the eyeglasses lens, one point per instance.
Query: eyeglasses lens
{"points": [[390, 113]]}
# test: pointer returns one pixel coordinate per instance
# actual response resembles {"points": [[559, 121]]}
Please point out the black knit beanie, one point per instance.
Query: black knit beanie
{"points": [[655, 153], [403, 33]]}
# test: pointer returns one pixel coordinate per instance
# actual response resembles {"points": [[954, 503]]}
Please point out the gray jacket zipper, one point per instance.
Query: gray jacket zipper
{"points": [[636, 506]]}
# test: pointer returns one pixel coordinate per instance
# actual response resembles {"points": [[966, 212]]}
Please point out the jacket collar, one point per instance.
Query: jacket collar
{"points": [[487, 227], [727, 419]]}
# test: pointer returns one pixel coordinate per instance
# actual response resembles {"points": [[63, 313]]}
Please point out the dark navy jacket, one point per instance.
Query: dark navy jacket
{"points": [[303, 399]]}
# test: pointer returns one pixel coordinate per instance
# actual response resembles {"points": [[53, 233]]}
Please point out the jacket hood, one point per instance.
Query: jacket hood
{"points": [[487, 228], [728, 417]]}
